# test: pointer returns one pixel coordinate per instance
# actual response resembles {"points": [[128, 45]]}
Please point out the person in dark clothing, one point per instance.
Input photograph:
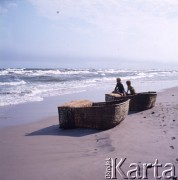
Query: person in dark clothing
{"points": [[130, 88], [119, 89]]}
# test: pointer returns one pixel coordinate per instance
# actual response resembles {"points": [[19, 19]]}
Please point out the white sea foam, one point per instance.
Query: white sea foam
{"points": [[12, 83], [26, 85], [55, 72], [9, 100]]}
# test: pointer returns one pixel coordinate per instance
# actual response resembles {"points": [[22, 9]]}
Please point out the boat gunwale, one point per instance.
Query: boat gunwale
{"points": [[103, 104]]}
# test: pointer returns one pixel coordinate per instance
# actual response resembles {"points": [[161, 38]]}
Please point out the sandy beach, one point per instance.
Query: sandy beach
{"points": [[40, 150]]}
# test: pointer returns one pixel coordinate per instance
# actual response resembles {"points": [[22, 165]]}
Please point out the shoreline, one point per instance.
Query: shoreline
{"points": [[35, 111], [40, 150], [25, 113]]}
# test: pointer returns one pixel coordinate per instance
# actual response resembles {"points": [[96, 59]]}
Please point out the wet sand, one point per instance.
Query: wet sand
{"points": [[40, 150]]}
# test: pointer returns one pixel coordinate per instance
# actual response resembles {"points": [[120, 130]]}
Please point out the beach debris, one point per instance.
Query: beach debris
{"points": [[173, 120], [174, 178], [173, 138], [144, 117], [172, 94], [177, 159], [172, 147], [153, 112]]}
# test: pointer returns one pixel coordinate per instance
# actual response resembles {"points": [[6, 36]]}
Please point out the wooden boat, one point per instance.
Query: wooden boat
{"points": [[138, 102], [98, 115]]}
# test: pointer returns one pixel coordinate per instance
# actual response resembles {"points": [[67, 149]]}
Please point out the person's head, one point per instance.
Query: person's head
{"points": [[128, 83], [118, 80]]}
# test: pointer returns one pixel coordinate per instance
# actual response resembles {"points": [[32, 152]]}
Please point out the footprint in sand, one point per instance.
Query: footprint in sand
{"points": [[172, 147], [103, 143]]}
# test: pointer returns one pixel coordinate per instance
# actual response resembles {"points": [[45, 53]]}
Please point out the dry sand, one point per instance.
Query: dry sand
{"points": [[41, 150]]}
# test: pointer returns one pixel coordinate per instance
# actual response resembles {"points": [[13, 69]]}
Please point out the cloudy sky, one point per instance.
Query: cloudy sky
{"points": [[53, 33]]}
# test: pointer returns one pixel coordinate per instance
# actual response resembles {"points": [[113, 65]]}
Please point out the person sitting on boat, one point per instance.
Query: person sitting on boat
{"points": [[130, 88], [119, 89]]}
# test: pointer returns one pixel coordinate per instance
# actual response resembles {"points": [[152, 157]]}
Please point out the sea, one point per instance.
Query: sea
{"points": [[21, 85]]}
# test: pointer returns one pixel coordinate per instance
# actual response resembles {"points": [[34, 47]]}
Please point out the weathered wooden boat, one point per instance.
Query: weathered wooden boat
{"points": [[98, 115], [138, 102]]}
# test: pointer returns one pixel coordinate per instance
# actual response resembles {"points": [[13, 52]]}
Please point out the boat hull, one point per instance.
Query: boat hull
{"points": [[101, 115], [138, 102]]}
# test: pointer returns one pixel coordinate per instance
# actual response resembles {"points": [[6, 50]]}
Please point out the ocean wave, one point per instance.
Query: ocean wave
{"points": [[12, 83], [26, 85], [9, 100], [50, 72], [41, 72]]}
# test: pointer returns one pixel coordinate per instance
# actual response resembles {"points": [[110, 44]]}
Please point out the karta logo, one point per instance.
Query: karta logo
{"points": [[114, 170]]}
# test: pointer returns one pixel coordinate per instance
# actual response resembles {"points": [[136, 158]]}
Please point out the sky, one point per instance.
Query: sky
{"points": [[64, 33]]}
